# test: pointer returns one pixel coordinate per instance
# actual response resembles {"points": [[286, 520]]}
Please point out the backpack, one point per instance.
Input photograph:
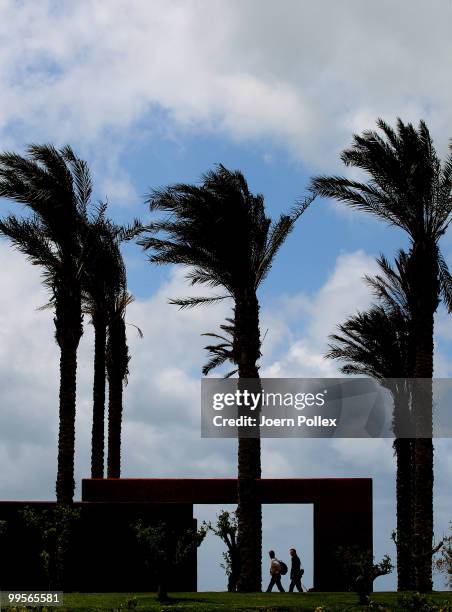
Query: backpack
{"points": [[283, 567]]}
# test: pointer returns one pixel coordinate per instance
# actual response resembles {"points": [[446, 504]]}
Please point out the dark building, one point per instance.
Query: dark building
{"points": [[106, 556]]}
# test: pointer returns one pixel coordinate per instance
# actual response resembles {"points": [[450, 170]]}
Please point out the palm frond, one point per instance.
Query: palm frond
{"points": [[213, 363], [130, 231], [30, 238], [138, 329], [218, 229], [221, 352], [277, 235], [445, 280], [407, 185], [379, 342], [191, 302], [81, 179]]}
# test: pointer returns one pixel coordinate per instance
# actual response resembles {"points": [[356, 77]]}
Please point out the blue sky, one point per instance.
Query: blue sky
{"points": [[152, 93], [324, 230]]}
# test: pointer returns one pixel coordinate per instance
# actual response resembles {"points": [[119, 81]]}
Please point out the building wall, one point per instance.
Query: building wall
{"points": [[105, 556], [342, 508]]}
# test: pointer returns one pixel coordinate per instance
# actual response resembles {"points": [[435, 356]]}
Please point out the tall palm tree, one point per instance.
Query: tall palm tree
{"points": [[55, 186], [117, 359], [99, 284], [103, 281], [220, 231], [408, 188], [376, 343]]}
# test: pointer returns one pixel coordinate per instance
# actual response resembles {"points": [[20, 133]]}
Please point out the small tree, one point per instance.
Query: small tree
{"points": [[360, 570], [226, 529], [54, 530], [165, 549], [444, 563]]}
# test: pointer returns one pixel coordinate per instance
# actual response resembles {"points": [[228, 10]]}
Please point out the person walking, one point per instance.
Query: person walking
{"points": [[296, 571], [275, 573]]}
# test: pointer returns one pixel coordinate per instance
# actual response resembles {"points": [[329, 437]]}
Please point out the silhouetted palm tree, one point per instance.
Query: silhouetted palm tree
{"points": [[55, 186], [103, 283], [376, 343], [220, 231], [411, 189], [117, 371]]}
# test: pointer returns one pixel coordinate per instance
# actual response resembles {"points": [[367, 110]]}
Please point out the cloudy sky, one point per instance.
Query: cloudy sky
{"points": [[152, 93]]}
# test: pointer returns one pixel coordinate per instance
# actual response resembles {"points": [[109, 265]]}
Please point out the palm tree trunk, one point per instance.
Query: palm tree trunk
{"points": [[117, 362], [114, 427], [423, 513], [427, 293], [65, 483], [423, 506], [405, 498], [249, 510], [249, 514], [98, 433], [68, 331], [405, 472]]}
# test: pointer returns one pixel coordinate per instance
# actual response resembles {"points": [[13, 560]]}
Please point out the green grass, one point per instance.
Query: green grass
{"points": [[187, 602]]}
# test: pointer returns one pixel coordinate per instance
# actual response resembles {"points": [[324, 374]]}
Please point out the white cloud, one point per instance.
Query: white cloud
{"points": [[366, 454], [161, 419], [305, 77], [343, 294], [105, 74], [161, 416]]}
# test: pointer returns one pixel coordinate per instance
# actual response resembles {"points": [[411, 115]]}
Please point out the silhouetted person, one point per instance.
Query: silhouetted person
{"points": [[296, 571], [275, 572]]}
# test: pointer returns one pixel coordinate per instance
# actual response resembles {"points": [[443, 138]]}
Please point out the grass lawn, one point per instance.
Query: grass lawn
{"points": [[235, 601]]}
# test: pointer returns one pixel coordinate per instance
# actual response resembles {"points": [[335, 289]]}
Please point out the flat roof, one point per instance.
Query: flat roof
{"points": [[222, 490]]}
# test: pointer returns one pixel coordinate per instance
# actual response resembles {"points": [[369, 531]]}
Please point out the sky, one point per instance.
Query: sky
{"points": [[152, 93]]}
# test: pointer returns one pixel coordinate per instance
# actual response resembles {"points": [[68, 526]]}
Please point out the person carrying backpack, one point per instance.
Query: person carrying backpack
{"points": [[277, 569], [296, 571]]}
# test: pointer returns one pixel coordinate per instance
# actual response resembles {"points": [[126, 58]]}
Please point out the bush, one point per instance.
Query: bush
{"points": [[444, 564], [53, 530], [420, 603], [130, 604], [226, 529], [360, 570], [165, 549]]}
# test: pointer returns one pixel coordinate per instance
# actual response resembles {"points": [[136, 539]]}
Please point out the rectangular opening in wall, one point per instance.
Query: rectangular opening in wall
{"points": [[287, 526], [284, 526]]}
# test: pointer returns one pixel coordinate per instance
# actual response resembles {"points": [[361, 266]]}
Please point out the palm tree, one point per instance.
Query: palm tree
{"points": [[220, 231], [408, 188], [376, 343], [55, 186], [99, 283], [102, 283], [117, 359]]}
